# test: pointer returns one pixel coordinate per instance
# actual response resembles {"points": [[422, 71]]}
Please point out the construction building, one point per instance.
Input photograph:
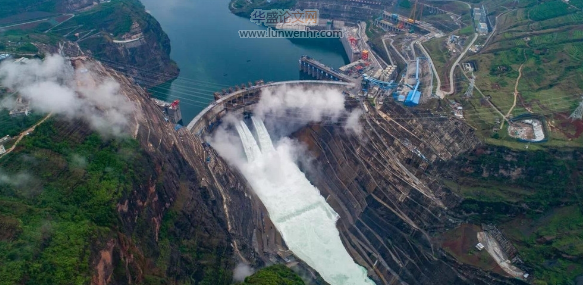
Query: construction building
{"points": [[171, 110], [352, 65], [389, 73], [417, 80], [480, 246], [480, 20], [20, 108], [4, 56], [350, 43], [4, 139], [414, 95]]}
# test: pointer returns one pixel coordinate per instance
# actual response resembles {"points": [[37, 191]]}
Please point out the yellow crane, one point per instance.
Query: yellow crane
{"points": [[412, 16]]}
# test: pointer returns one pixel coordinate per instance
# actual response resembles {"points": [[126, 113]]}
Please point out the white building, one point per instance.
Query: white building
{"points": [[483, 29], [480, 246]]}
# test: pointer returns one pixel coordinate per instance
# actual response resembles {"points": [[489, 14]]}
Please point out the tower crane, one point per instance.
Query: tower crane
{"points": [[412, 16], [368, 80]]}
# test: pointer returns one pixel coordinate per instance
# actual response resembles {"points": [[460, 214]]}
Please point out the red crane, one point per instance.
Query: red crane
{"points": [[174, 104]]}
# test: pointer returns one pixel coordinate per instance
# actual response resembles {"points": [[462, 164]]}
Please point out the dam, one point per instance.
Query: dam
{"points": [[383, 199], [242, 101]]}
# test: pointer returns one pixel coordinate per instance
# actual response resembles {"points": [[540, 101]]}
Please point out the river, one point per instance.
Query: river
{"points": [[211, 56]]}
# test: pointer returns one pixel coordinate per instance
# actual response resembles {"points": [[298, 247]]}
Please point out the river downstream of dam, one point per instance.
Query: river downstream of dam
{"points": [[303, 217]]}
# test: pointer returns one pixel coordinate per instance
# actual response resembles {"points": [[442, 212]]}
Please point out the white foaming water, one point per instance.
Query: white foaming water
{"points": [[262, 135], [247, 144], [302, 216]]}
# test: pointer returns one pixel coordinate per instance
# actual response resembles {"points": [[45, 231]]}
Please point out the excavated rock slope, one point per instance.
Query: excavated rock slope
{"points": [[203, 205], [390, 208]]}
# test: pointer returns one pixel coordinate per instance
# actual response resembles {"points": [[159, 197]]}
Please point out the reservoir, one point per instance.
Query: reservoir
{"points": [[211, 56]]}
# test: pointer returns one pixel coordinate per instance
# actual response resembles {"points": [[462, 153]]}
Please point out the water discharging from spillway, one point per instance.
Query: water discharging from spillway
{"points": [[302, 216]]}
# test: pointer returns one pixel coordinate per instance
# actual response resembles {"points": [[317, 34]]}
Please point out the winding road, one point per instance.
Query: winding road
{"points": [[438, 91], [515, 90], [24, 134], [387, 50], [397, 51], [457, 61]]}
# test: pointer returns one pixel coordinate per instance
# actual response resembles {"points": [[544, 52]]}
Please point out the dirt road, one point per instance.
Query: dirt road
{"points": [[24, 134]]}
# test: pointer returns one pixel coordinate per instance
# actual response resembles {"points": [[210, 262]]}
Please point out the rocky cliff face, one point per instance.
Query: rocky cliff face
{"points": [[127, 38], [188, 218], [193, 219], [390, 206]]}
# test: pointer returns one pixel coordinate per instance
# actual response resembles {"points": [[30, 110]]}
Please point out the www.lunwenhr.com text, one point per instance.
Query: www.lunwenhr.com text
{"points": [[302, 34]]}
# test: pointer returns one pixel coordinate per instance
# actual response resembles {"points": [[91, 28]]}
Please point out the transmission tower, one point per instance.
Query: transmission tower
{"points": [[578, 113]]}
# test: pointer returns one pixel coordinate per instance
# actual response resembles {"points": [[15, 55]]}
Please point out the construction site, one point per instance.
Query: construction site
{"points": [[527, 130], [171, 110], [416, 84]]}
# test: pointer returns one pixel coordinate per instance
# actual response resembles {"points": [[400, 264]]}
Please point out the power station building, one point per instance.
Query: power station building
{"points": [[350, 43], [170, 110], [480, 20]]}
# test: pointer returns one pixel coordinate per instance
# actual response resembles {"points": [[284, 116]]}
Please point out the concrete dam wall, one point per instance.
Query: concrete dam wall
{"points": [[242, 101]]}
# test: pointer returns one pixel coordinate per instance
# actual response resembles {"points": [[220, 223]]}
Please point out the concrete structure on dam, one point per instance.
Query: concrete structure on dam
{"points": [[243, 100], [320, 71]]}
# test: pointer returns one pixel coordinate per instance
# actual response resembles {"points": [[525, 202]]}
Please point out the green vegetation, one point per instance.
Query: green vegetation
{"points": [[460, 243], [547, 10], [541, 178], [244, 8], [405, 4], [274, 275], [439, 54], [13, 126], [59, 197], [546, 38], [466, 31], [577, 3], [113, 17], [537, 199], [551, 243], [18, 41], [14, 7]]}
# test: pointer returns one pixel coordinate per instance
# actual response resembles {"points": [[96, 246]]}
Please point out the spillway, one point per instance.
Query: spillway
{"points": [[302, 216]]}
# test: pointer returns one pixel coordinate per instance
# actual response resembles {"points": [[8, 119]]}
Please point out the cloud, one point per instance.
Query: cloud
{"points": [[307, 104], [78, 161], [241, 271], [54, 86], [352, 122], [16, 180], [285, 109], [26, 185]]}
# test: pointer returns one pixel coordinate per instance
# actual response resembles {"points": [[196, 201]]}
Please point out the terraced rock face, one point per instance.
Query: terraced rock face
{"points": [[390, 209]]}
